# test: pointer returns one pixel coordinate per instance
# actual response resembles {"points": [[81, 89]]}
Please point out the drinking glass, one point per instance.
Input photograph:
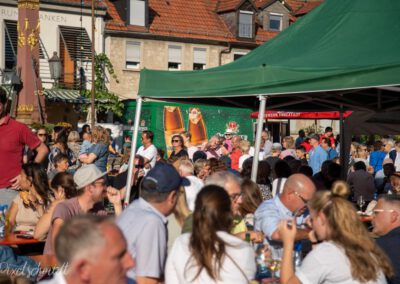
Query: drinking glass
{"points": [[275, 263], [361, 202]]}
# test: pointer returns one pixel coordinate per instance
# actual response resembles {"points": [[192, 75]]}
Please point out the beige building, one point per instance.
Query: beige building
{"points": [[187, 35]]}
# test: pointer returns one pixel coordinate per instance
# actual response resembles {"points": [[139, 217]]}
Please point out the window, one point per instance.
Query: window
{"points": [[132, 55], [137, 12], [275, 22], [237, 55], [199, 58], [245, 24], [174, 57]]}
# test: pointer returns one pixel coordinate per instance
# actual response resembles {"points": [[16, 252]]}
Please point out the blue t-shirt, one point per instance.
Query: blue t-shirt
{"points": [[317, 157], [101, 152]]}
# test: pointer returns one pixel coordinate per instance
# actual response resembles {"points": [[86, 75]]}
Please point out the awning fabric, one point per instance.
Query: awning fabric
{"points": [[340, 45], [301, 115], [63, 95]]}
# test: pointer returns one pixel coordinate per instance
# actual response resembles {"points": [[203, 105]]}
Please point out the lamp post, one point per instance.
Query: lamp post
{"points": [[55, 68]]}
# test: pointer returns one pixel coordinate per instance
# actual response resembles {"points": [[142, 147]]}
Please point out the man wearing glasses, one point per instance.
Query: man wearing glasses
{"points": [[292, 203], [91, 191], [386, 225]]}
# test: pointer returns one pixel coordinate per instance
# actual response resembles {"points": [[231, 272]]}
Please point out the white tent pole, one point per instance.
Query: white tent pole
{"points": [[260, 120], [133, 150]]}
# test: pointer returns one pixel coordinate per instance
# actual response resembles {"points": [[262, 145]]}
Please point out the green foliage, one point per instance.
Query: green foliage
{"points": [[105, 100], [313, 128]]}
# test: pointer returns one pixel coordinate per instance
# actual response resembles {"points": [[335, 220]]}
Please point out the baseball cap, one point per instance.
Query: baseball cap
{"points": [[166, 178], [314, 136], [87, 175]]}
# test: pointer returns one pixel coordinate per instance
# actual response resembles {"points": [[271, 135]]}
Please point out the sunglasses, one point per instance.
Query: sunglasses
{"points": [[173, 141], [138, 166]]}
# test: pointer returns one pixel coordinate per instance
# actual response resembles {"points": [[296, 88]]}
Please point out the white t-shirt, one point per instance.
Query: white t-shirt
{"points": [[192, 190], [397, 162], [191, 150], [327, 263], [242, 159], [277, 186], [242, 271], [150, 154]]}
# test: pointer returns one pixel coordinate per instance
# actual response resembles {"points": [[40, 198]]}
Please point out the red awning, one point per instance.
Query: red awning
{"points": [[302, 115]]}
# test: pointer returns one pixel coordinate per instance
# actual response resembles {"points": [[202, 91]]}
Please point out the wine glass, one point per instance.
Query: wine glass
{"points": [[275, 263], [361, 202]]}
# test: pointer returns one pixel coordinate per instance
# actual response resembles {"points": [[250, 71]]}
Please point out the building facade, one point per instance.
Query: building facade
{"points": [[65, 28], [182, 35]]}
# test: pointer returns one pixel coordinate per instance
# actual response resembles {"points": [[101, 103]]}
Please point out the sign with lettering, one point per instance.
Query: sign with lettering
{"points": [[12, 14]]}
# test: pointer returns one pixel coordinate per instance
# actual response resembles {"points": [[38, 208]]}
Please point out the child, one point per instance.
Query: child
{"points": [[61, 165], [244, 148], [86, 144]]}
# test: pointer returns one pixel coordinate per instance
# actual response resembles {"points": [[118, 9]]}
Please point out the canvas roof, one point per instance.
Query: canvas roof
{"points": [[331, 56]]}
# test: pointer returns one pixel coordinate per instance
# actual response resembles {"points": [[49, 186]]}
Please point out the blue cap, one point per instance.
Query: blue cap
{"points": [[166, 178]]}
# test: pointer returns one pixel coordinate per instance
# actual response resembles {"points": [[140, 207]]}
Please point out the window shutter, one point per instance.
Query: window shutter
{"points": [[199, 55], [133, 51], [174, 54]]}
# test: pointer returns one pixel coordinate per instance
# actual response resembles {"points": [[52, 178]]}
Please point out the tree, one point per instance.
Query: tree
{"points": [[105, 100]]}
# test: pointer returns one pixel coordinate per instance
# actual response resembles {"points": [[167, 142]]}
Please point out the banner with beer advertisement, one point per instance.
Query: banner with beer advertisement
{"points": [[173, 124], [201, 121]]}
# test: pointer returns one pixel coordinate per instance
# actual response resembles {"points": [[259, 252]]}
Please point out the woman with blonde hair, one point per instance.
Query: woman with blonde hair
{"points": [[289, 145], [98, 152], [177, 219], [345, 252]]}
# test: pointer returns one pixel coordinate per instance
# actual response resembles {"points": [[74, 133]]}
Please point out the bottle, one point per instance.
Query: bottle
{"points": [[247, 238], [197, 127], [173, 124], [297, 257], [7, 228]]}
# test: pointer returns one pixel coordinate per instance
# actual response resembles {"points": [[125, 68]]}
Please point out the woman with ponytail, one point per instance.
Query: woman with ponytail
{"points": [[343, 252], [210, 254]]}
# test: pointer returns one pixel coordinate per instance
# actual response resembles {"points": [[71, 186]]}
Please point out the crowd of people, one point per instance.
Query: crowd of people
{"points": [[196, 216]]}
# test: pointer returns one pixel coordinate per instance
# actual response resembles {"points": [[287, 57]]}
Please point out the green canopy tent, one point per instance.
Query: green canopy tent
{"points": [[342, 55]]}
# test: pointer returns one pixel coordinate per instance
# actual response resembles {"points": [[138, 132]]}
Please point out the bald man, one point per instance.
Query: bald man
{"points": [[298, 190]]}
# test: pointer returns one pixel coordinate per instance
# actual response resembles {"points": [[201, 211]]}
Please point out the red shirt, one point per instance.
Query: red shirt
{"points": [[13, 137], [235, 156], [330, 138]]}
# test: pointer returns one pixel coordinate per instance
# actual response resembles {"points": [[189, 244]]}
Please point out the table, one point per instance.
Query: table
{"points": [[11, 239]]}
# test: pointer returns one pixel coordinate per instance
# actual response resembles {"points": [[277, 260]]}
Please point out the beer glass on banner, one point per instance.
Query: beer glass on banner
{"points": [[197, 127], [173, 124]]}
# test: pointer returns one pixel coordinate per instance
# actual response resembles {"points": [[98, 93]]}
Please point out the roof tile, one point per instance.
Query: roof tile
{"points": [[199, 20]]}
